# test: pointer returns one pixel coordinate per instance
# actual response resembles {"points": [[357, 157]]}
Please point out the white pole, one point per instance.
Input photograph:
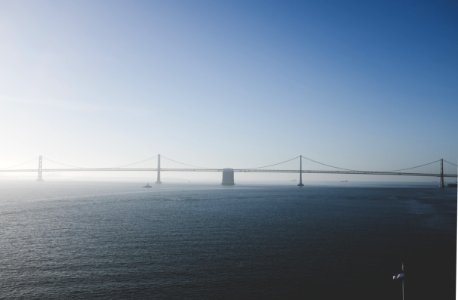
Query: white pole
{"points": [[402, 282], [403, 298]]}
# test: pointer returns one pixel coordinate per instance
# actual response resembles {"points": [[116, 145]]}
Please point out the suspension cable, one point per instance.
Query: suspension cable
{"points": [[276, 164], [22, 163], [327, 165], [137, 162], [345, 169], [415, 167], [449, 162], [182, 163], [61, 163]]}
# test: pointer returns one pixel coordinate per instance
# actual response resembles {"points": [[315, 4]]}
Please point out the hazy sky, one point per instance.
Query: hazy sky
{"points": [[360, 84]]}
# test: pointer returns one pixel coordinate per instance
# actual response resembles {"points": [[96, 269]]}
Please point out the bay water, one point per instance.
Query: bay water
{"points": [[122, 241]]}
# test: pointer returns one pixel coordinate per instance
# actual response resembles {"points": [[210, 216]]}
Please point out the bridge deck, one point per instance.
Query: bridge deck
{"points": [[220, 170]]}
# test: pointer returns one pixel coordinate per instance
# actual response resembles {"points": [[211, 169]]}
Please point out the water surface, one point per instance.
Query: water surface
{"points": [[118, 241]]}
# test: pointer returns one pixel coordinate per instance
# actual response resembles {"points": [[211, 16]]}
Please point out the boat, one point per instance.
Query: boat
{"points": [[147, 185]]}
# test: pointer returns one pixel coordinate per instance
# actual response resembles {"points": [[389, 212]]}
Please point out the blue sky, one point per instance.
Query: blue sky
{"points": [[359, 84]]}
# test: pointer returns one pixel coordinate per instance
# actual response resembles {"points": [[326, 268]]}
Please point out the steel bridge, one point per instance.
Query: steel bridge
{"points": [[228, 173]]}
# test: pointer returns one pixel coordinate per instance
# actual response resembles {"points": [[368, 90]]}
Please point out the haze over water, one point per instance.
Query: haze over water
{"points": [[117, 241]]}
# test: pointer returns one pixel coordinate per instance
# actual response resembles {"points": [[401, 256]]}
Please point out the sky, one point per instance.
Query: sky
{"points": [[359, 84]]}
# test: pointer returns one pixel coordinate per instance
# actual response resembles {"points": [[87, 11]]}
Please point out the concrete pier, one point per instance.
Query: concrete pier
{"points": [[228, 176]]}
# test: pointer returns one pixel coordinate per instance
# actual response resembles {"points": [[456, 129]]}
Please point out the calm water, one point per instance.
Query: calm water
{"points": [[121, 241]]}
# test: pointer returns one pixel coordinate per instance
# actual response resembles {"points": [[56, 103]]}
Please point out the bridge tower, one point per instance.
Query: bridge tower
{"points": [[300, 171], [158, 180], [442, 182], [40, 168]]}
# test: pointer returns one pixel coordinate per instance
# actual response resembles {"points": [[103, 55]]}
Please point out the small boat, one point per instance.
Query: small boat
{"points": [[147, 185]]}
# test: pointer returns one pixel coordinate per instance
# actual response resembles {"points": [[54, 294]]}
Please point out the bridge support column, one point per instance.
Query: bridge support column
{"points": [[40, 168], [442, 181], [228, 176], [158, 180], [300, 171]]}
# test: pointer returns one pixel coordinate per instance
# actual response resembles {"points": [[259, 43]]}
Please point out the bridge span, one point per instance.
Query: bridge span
{"points": [[228, 173]]}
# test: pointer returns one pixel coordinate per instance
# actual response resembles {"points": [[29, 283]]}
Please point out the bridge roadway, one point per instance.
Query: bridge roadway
{"points": [[242, 170]]}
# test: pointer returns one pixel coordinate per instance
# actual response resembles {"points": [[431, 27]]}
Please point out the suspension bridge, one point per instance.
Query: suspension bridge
{"points": [[228, 177]]}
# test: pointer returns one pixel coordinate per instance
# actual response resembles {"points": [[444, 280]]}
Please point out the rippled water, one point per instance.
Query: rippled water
{"points": [[181, 242]]}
